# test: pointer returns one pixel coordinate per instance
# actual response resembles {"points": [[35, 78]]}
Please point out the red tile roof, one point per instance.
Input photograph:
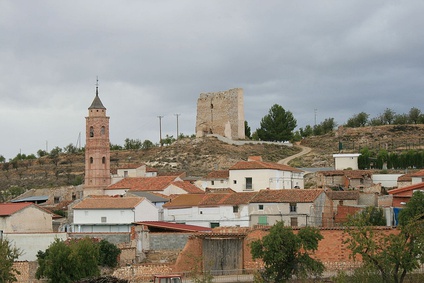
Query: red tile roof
{"points": [[220, 174], [175, 226], [188, 187], [218, 199], [419, 186], [418, 174], [184, 201], [405, 178], [343, 195], [249, 165], [7, 209], [159, 183], [229, 199], [287, 195], [108, 203]]}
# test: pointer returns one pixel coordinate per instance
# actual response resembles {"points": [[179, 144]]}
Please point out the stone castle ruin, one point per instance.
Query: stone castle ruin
{"points": [[221, 113]]}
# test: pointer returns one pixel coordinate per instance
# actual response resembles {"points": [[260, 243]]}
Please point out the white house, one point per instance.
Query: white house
{"points": [[296, 207], [255, 175], [111, 214], [344, 161], [210, 210]]}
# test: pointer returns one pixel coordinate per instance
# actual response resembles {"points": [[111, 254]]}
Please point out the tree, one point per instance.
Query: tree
{"points": [[2, 159], [147, 144], [372, 216], [392, 255], [108, 254], [247, 130], [413, 209], [133, 144], [414, 115], [358, 120], [68, 261], [277, 125], [388, 116], [286, 254], [8, 254]]}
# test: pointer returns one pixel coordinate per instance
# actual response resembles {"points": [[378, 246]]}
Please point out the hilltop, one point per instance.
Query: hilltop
{"points": [[199, 156]]}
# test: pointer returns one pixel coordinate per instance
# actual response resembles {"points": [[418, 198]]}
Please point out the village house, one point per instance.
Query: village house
{"points": [[343, 161], [255, 174], [132, 170], [296, 207], [111, 214], [345, 179], [165, 185], [210, 210], [401, 196], [417, 177], [216, 179], [25, 217]]}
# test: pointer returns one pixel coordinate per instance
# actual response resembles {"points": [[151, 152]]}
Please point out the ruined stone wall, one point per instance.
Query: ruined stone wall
{"points": [[221, 113]]}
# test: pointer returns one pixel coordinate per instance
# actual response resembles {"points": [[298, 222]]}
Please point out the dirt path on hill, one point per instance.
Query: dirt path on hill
{"points": [[305, 150]]}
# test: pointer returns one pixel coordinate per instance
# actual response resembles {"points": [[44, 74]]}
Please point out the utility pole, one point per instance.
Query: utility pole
{"points": [[160, 129], [177, 115], [315, 112]]}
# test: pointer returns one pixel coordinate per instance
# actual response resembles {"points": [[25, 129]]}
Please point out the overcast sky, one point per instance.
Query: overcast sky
{"points": [[317, 59]]}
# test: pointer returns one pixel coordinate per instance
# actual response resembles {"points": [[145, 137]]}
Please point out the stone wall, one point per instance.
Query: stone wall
{"points": [[221, 113], [27, 271], [167, 241]]}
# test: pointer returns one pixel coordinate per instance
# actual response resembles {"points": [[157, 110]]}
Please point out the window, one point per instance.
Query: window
{"points": [[102, 130], [263, 220], [261, 207], [104, 219], [125, 174], [214, 224], [91, 160], [56, 199], [235, 209], [103, 160], [293, 207], [234, 182], [212, 183], [293, 221], [91, 132], [249, 183]]}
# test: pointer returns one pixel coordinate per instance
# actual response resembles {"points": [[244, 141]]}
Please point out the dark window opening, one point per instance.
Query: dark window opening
{"points": [[249, 184], [103, 160], [235, 209], [293, 207], [91, 160], [261, 207], [214, 224], [91, 132]]}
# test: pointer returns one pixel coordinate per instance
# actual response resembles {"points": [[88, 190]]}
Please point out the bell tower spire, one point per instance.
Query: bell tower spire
{"points": [[97, 148]]}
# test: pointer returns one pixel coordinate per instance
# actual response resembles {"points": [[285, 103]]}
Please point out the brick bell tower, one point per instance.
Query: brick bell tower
{"points": [[97, 148]]}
